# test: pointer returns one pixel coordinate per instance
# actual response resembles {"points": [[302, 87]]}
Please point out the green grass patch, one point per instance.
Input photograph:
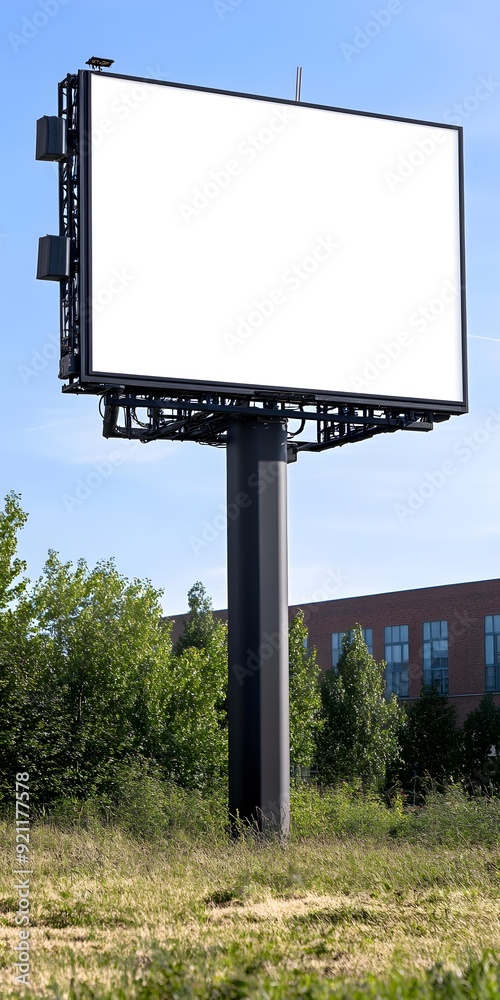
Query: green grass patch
{"points": [[363, 900], [192, 978]]}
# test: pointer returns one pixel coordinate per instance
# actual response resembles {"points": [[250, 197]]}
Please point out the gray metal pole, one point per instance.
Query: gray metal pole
{"points": [[259, 752]]}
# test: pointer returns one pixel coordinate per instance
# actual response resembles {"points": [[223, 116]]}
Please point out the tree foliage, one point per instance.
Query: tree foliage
{"points": [[481, 732], [431, 740], [359, 739], [203, 631], [305, 695], [17, 651], [12, 519], [107, 654], [200, 627], [94, 683], [194, 735]]}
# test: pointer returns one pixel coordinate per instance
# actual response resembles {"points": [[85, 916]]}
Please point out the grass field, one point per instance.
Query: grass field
{"points": [[359, 891]]}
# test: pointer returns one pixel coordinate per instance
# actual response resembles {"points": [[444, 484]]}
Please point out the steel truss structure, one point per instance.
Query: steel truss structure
{"points": [[207, 420], [149, 416], [69, 186]]}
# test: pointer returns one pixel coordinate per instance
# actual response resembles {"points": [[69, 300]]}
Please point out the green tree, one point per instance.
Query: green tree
{"points": [[481, 732], [203, 631], [359, 738], [107, 655], [12, 519], [17, 649], [89, 685], [431, 741], [200, 625], [305, 695], [194, 736], [117, 693]]}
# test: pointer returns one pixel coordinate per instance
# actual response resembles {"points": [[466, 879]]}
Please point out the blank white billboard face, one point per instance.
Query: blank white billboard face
{"points": [[244, 242]]}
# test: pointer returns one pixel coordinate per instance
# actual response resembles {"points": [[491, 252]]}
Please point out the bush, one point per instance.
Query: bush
{"points": [[145, 805], [345, 811], [452, 817]]}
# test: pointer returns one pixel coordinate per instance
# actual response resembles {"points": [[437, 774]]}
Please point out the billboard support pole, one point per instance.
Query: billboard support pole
{"points": [[259, 752]]}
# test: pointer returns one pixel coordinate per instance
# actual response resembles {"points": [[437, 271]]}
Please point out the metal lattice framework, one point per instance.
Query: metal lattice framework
{"points": [[151, 417], [205, 418], [69, 226]]}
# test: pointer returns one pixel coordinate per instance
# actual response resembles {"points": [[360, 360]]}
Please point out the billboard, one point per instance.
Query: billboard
{"points": [[245, 245]]}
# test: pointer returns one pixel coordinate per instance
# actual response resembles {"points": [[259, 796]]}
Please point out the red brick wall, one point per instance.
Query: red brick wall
{"points": [[462, 605]]}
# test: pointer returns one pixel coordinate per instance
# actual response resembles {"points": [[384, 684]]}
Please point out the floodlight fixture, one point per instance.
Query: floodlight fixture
{"points": [[96, 62]]}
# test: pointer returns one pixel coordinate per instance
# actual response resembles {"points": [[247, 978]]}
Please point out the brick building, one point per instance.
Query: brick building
{"points": [[449, 635]]}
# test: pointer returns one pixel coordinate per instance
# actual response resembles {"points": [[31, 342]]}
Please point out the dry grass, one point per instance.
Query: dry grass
{"points": [[102, 901]]}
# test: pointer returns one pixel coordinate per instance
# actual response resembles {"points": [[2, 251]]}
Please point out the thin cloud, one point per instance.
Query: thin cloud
{"points": [[53, 423], [475, 336]]}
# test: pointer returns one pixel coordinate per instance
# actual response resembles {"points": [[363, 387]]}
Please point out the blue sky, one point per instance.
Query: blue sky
{"points": [[400, 511]]}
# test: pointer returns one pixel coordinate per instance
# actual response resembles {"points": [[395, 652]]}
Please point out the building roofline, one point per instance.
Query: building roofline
{"points": [[360, 597], [390, 593]]}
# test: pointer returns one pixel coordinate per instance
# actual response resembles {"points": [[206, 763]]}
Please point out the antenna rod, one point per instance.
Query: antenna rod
{"points": [[298, 83]]}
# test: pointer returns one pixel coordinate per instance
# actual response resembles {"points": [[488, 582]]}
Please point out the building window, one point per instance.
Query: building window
{"points": [[492, 651], [436, 655], [337, 638], [397, 655]]}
